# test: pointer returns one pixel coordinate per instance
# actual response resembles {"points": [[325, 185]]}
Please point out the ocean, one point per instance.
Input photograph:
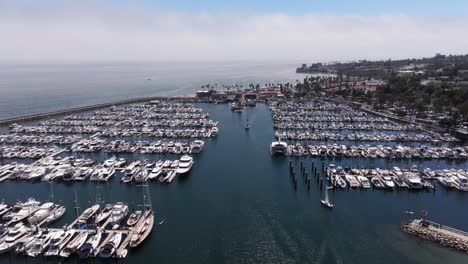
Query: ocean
{"points": [[35, 88]]}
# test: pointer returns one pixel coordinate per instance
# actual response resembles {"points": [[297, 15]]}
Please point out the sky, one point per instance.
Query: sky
{"points": [[242, 30]]}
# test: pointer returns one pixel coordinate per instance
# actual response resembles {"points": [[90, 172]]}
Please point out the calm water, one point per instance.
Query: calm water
{"points": [[29, 89], [238, 206]]}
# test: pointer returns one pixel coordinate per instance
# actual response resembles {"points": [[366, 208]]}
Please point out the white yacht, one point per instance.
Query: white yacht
{"points": [[41, 214], [388, 181], [185, 164], [447, 181], [88, 213], [279, 148], [39, 244], [364, 182], [104, 214], [58, 242], [106, 173], [37, 173], [27, 208], [462, 182], [197, 146], [110, 162], [119, 212], [214, 132], [155, 172], [13, 236]]}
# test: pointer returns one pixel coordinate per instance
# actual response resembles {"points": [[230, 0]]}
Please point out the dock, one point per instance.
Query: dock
{"points": [[443, 235], [34, 117]]}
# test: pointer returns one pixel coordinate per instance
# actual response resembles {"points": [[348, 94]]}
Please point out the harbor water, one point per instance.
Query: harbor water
{"points": [[238, 205]]}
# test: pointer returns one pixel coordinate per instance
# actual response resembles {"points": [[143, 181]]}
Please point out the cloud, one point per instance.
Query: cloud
{"points": [[96, 32]]}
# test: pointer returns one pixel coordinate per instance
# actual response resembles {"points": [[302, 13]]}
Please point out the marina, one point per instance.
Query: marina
{"points": [[201, 169], [24, 228]]}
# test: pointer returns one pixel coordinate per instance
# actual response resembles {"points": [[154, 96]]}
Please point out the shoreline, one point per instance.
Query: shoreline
{"points": [[39, 116]]}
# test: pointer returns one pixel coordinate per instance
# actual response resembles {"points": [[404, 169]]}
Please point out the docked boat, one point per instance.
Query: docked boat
{"points": [[82, 173], [88, 213], [352, 181], [106, 173], [144, 229], [118, 213], [41, 214], [37, 173], [377, 182], [142, 176], [26, 243], [39, 245], [279, 148], [27, 208], [364, 182], [58, 242], [134, 217], [74, 244], [185, 164], [90, 246], [56, 212], [111, 246], [197, 146], [4, 208], [155, 172], [12, 237], [104, 214]]}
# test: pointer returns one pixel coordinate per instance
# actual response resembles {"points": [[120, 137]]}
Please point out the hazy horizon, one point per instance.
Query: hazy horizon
{"points": [[152, 31]]}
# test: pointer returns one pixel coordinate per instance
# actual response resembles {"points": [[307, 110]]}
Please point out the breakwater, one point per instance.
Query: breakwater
{"points": [[34, 117], [443, 235]]}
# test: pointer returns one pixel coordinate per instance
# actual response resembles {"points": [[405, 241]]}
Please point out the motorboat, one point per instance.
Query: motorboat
{"points": [[118, 213], [74, 244], [58, 242], [88, 213], [104, 214], [40, 244], [82, 173], [56, 212], [111, 246], [12, 237], [134, 217], [155, 172], [185, 164], [197, 146], [90, 246], [106, 173], [377, 182], [41, 214], [364, 182], [37, 173], [142, 176], [27, 209], [388, 181], [279, 148], [26, 242]]}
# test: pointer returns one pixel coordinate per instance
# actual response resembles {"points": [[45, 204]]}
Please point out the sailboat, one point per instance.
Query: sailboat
{"points": [[326, 200], [247, 124]]}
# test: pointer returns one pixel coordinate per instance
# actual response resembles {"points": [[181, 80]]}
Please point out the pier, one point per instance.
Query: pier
{"points": [[443, 235]]}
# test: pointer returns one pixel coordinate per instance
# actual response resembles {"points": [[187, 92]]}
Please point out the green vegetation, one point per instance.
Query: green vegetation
{"points": [[408, 91]]}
